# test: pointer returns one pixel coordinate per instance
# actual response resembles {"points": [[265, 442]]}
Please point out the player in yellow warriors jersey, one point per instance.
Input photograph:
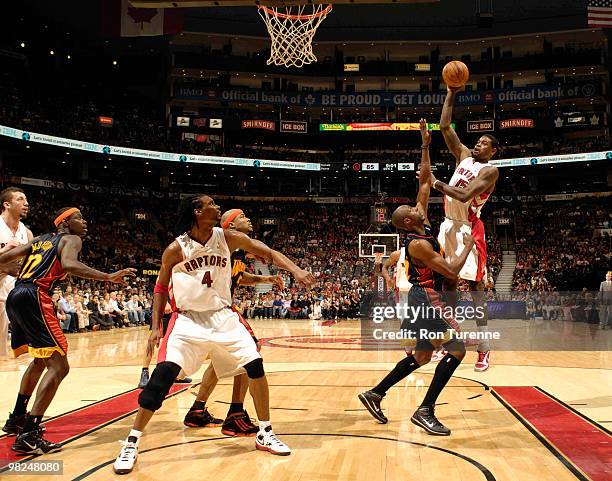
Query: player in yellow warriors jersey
{"points": [[35, 328], [468, 190], [198, 264], [237, 421]]}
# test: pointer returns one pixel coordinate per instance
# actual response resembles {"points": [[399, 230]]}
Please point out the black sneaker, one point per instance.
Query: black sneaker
{"points": [[239, 425], [144, 378], [33, 443], [185, 380], [201, 418], [425, 418], [371, 401], [14, 425]]}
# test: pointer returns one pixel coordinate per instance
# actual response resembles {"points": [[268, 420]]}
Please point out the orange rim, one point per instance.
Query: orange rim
{"points": [[274, 13]]}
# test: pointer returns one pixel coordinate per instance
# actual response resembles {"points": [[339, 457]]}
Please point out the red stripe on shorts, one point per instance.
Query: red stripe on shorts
{"points": [[47, 310], [161, 354], [244, 322], [478, 233]]}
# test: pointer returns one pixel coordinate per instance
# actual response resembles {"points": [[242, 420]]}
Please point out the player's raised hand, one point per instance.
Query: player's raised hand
{"points": [[425, 132], [432, 178], [119, 276], [304, 277]]}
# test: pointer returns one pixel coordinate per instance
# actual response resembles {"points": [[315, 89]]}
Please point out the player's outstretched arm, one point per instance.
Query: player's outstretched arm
{"points": [[484, 182], [451, 138], [249, 279], [238, 240], [8, 256], [70, 246], [423, 251], [424, 173]]}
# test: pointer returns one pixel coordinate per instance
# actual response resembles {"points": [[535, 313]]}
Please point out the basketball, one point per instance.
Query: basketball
{"points": [[455, 74]]}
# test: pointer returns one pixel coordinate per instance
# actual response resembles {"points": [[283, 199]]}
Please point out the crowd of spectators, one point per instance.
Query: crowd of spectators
{"points": [[558, 252]]}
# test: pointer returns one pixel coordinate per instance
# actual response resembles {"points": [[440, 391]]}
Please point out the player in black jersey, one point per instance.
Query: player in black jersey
{"points": [[237, 421], [35, 329], [426, 268]]}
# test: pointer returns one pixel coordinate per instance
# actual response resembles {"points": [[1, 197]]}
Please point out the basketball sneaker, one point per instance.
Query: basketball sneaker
{"points": [[127, 456], [438, 355], [266, 440], [144, 379], [32, 442], [201, 418], [371, 401], [239, 425], [185, 380], [425, 418], [483, 362], [14, 425]]}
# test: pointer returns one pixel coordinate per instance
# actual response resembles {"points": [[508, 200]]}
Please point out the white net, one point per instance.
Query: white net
{"points": [[292, 30]]}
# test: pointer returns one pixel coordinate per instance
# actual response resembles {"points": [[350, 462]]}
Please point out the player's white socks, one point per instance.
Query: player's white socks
{"points": [[134, 433], [263, 425], [484, 345]]}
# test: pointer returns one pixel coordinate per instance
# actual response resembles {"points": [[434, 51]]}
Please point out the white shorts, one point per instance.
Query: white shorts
{"points": [[219, 335], [451, 242]]}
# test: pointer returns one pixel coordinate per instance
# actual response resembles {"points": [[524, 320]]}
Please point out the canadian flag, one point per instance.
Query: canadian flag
{"points": [[120, 18]]}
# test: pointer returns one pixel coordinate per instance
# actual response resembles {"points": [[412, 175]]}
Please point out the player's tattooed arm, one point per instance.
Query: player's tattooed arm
{"points": [[238, 240], [483, 183], [451, 138], [10, 254]]}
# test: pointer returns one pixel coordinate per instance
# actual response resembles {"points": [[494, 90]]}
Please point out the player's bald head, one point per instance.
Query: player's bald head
{"points": [[229, 216], [398, 216]]}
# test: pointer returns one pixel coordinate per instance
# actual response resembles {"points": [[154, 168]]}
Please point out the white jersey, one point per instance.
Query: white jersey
{"points": [[201, 282], [6, 234], [401, 279], [467, 170]]}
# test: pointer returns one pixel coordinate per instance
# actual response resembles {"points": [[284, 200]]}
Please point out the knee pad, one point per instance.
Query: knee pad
{"points": [[159, 384], [255, 369]]}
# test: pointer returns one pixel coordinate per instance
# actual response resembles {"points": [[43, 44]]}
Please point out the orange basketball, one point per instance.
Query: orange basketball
{"points": [[455, 74]]}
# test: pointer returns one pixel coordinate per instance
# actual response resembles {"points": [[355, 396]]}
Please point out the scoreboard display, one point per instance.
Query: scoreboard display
{"points": [[378, 215]]}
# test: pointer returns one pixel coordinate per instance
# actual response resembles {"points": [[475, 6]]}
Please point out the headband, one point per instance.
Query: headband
{"points": [[234, 213], [64, 215]]}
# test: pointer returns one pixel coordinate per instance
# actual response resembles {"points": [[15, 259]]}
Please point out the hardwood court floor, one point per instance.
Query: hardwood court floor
{"points": [[315, 373]]}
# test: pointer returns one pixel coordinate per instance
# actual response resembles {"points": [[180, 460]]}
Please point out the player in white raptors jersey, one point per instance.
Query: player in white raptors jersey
{"points": [[199, 265], [469, 188], [14, 207]]}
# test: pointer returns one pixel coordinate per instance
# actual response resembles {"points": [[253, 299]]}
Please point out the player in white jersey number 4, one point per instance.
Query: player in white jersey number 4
{"points": [[199, 265], [468, 190]]}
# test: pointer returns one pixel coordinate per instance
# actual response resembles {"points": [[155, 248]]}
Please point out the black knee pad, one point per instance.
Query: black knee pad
{"points": [[255, 369], [159, 384], [456, 345]]}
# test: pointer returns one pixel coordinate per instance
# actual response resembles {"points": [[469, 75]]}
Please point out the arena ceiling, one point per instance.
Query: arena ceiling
{"points": [[402, 20]]}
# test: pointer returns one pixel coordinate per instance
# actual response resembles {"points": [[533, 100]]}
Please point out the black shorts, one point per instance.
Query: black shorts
{"points": [[34, 326], [429, 318]]}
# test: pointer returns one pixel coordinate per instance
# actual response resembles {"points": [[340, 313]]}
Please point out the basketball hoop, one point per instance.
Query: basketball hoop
{"points": [[291, 31]]}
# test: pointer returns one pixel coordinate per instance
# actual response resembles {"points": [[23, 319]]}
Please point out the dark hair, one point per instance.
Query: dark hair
{"points": [[185, 215], [7, 195], [493, 139]]}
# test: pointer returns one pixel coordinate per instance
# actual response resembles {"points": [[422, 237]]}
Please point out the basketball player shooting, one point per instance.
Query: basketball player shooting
{"points": [[469, 189], [425, 268]]}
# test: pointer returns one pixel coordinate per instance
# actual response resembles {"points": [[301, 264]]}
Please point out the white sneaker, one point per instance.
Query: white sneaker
{"points": [[438, 355], [127, 458], [483, 362], [267, 441]]}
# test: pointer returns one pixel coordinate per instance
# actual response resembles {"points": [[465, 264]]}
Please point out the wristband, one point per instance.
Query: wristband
{"points": [[424, 146], [160, 289], [434, 184]]}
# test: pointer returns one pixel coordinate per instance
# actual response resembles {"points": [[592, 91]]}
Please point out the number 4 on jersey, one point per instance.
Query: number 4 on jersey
{"points": [[207, 279]]}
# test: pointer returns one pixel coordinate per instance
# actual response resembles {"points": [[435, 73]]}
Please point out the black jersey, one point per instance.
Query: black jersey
{"points": [[238, 267], [423, 276], [43, 266]]}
